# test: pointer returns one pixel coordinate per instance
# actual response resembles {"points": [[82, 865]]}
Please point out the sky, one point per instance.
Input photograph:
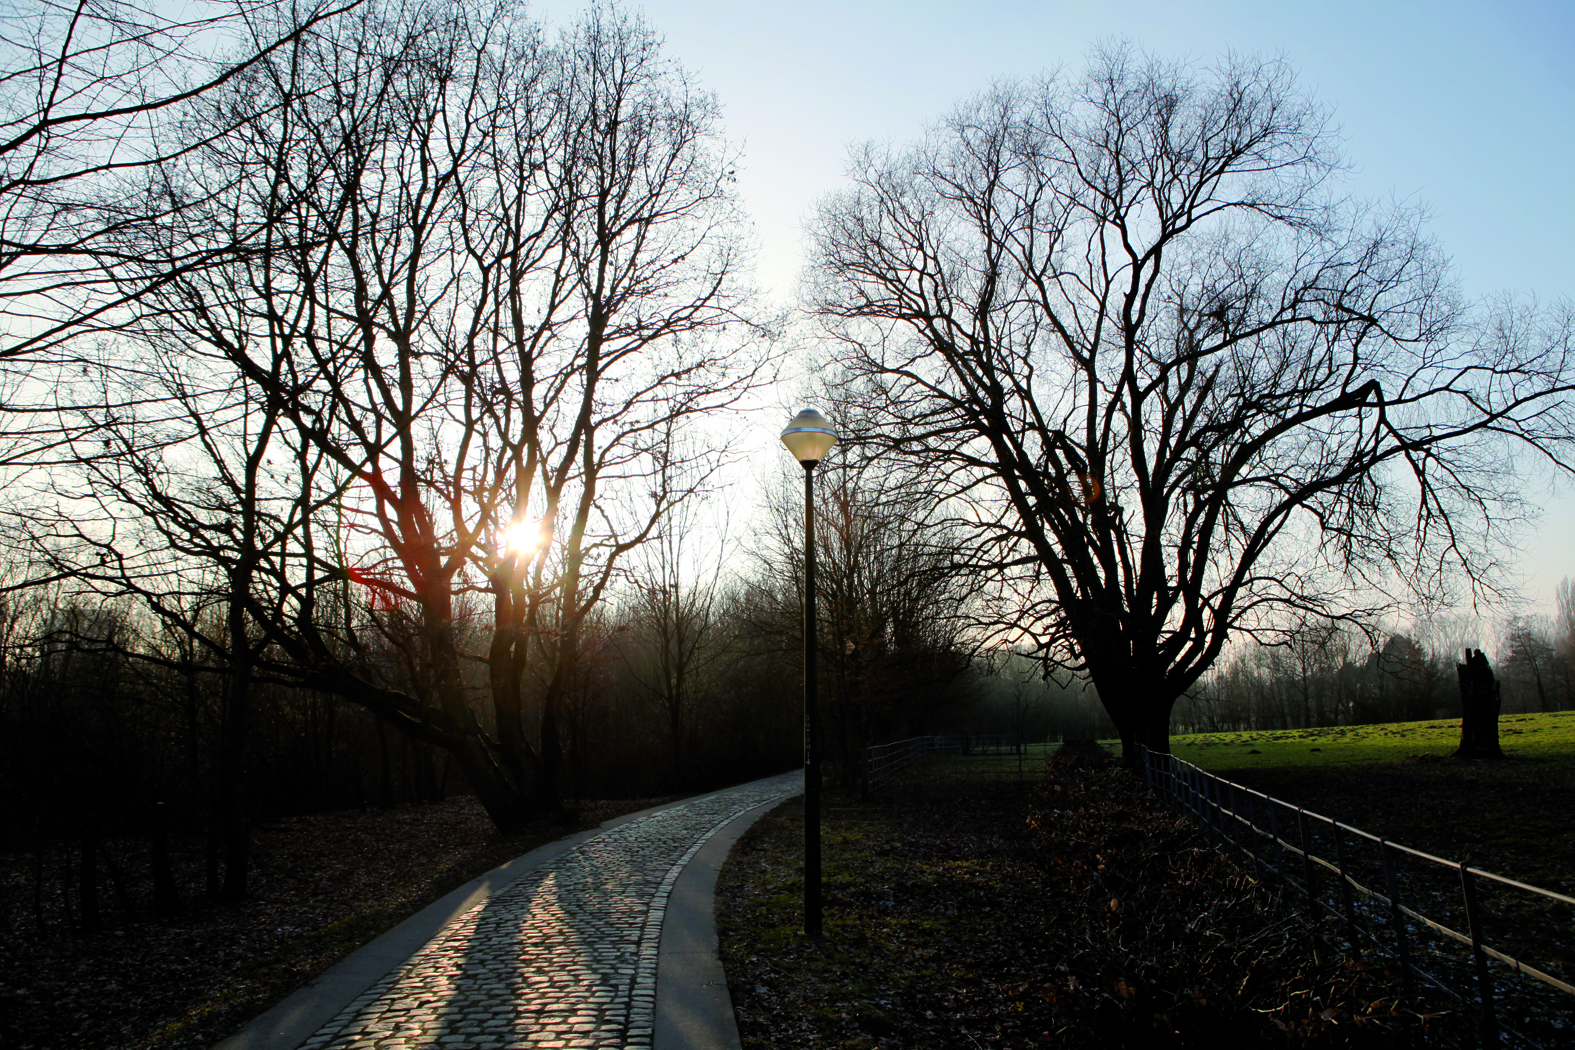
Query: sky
{"points": [[1468, 109]]}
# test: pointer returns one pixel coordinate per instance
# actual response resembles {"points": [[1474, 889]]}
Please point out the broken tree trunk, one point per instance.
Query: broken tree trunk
{"points": [[1479, 707]]}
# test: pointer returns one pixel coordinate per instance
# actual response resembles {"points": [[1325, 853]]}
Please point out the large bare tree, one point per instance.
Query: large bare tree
{"points": [[480, 281], [1177, 384]]}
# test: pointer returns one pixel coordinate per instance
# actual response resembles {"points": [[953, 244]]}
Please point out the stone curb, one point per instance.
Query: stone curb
{"points": [[694, 1010]]}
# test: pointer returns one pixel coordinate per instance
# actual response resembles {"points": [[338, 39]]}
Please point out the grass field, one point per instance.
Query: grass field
{"points": [[1533, 736], [1516, 817]]}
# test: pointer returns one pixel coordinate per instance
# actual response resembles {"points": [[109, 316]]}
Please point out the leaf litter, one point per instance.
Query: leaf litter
{"points": [[961, 912], [320, 886]]}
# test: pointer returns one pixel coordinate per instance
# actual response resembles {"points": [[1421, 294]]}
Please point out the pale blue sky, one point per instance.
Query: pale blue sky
{"points": [[1466, 108]]}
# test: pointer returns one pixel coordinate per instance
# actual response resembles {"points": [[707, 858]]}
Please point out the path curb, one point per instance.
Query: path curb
{"points": [[694, 1010]]}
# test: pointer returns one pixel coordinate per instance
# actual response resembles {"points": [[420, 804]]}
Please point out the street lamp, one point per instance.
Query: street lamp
{"points": [[809, 437]]}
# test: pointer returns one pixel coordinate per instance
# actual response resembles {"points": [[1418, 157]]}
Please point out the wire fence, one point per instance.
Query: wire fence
{"points": [[884, 761], [1482, 924]]}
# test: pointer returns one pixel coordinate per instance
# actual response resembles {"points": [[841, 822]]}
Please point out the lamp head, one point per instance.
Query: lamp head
{"points": [[809, 437]]}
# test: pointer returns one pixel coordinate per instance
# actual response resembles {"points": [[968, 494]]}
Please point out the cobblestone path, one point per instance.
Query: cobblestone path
{"points": [[565, 956]]}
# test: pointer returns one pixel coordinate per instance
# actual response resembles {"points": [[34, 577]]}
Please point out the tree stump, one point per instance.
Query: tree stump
{"points": [[1479, 707]]}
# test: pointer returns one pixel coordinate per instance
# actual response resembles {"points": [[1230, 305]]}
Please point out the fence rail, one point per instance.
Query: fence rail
{"points": [[1279, 841], [885, 761]]}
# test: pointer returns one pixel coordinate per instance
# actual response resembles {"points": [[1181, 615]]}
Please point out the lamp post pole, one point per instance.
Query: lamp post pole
{"points": [[812, 909], [809, 437]]}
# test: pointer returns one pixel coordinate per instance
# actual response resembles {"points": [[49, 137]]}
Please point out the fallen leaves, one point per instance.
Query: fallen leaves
{"points": [[321, 886], [965, 914]]}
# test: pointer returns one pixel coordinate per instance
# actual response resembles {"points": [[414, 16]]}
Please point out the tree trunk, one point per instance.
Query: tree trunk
{"points": [[92, 922], [508, 803], [166, 896], [1141, 716], [234, 837], [386, 780], [1479, 708], [675, 735], [211, 852]]}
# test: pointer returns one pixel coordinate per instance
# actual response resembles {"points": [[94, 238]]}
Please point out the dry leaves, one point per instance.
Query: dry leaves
{"points": [[321, 886], [962, 914]]}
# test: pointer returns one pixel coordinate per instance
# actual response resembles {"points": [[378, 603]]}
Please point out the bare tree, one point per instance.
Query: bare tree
{"points": [[482, 282], [1534, 671], [188, 493], [1181, 388], [678, 631], [897, 614], [1564, 636], [86, 92]]}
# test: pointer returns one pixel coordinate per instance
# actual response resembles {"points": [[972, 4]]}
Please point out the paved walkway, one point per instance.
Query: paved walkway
{"points": [[562, 954]]}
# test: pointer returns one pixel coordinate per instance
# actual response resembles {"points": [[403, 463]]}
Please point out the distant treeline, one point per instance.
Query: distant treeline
{"points": [[1328, 675], [1321, 675]]}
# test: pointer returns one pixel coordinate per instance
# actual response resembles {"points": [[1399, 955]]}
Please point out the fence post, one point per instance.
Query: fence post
{"points": [[1395, 916], [1468, 890], [1219, 809], [1235, 820], [1148, 770], [1345, 888], [1252, 835], [1278, 864], [1307, 864]]}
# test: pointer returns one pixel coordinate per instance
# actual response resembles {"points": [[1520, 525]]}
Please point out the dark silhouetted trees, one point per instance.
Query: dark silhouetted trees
{"points": [[465, 289], [1184, 390]]}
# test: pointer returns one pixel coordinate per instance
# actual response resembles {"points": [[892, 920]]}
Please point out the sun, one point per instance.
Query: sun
{"points": [[525, 537]]}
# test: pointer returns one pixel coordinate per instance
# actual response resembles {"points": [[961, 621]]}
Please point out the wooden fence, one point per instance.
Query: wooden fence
{"points": [[885, 761]]}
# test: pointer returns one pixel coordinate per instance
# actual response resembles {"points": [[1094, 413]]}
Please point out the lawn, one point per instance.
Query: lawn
{"points": [[1533, 736]]}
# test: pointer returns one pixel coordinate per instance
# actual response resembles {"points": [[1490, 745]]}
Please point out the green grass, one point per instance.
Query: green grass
{"points": [[1531, 736], [1515, 817]]}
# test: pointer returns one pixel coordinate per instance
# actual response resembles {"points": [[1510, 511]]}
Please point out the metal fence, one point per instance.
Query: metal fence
{"points": [[1292, 847], [885, 761]]}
